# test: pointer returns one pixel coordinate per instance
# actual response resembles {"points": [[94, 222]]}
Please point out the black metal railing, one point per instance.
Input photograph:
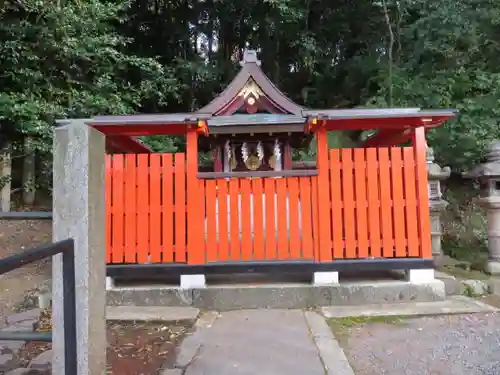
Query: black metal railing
{"points": [[67, 249], [26, 215]]}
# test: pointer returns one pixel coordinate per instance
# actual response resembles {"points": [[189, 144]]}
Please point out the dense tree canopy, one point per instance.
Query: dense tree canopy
{"points": [[81, 58]]}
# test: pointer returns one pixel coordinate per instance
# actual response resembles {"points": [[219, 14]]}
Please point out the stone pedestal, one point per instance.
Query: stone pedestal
{"points": [[493, 211], [436, 209], [437, 204], [79, 213]]}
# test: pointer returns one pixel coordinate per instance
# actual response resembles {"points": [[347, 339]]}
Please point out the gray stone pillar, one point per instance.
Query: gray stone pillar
{"points": [[488, 175], [437, 204], [79, 213]]}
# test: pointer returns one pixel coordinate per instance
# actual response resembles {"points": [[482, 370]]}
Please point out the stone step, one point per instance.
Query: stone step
{"points": [[285, 295], [452, 305]]}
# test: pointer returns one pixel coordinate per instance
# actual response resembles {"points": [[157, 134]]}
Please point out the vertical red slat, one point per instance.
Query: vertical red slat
{"points": [[398, 205], [234, 223], [118, 210], [222, 217], [155, 208], [131, 208], [109, 207], [258, 219], [211, 219], [270, 217], [410, 202], [324, 213], [348, 204], [385, 203], [246, 225], [167, 181], [143, 208], [315, 216], [294, 214], [424, 225], [336, 204], [180, 207], [373, 202], [202, 216], [361, 202], [306, 218], [282, 215], [195, 213]]}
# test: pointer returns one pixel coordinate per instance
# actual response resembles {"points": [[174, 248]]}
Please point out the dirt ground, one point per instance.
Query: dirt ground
{"points": [[133, 348], [16, 236]]}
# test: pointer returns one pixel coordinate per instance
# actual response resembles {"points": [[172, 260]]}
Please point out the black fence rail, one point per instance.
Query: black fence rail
{"points": [[28, 215], [67, 249]]}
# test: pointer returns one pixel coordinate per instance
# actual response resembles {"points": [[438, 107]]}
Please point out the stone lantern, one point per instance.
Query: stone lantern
{"points": [[437, 204], [488, 175]]}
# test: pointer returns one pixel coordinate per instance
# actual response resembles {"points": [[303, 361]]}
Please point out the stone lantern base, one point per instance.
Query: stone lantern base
{"points": [[492, 267]]}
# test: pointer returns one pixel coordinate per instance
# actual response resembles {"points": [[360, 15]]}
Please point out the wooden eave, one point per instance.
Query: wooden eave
{"points": [[376, 119], [126, 144], [251, 71]]}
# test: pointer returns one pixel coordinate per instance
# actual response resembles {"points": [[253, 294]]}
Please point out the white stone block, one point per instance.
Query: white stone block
{"points": [[110, 283], [420, 276], [325, 278], [193, 281]]}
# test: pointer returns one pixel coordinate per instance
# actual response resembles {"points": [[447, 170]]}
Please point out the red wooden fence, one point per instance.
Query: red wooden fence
{"points": [[369, 208], [146, 208], [373, 204], [259, 218]]}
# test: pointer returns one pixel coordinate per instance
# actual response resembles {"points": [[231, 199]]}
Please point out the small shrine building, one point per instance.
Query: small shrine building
{"points": [[252, 208]]}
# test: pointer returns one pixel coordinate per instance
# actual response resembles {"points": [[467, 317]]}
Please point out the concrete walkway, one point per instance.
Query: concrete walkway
{"points": [[264, 342]]}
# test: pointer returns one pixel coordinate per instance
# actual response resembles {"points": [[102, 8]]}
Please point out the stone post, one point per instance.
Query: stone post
{"points": [[488, 175], [437, 204], [79, 213]]}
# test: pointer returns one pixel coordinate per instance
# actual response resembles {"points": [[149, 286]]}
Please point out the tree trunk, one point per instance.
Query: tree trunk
{"points": [[5, 177], [29, 189]]}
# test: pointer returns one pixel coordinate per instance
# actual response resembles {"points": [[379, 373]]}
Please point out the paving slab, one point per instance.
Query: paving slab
{"points": [[152, 313], [453, 305], [264, 342]]}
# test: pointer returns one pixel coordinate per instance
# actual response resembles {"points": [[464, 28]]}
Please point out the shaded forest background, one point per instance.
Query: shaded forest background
{"points": [[62, 59]]}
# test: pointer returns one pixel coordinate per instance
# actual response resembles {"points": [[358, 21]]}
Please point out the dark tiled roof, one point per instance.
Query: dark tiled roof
{"points": [[257, 119]]}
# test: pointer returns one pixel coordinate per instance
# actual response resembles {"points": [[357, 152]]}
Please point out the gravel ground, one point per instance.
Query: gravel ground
{"points": [[441, 345]]}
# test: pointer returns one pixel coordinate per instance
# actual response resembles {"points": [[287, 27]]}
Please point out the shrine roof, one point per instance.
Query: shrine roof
{"points": [[265, 118], [249, 73], [248, 95]]}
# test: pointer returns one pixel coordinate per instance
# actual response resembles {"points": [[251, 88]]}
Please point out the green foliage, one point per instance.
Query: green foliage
{"points": [[79, 59], [67, 61], [446, 60], [464, 226]]}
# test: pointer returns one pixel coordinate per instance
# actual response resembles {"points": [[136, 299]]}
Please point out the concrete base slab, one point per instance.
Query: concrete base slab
{"points": [[152, 313], [286, 296], [453, 305]]}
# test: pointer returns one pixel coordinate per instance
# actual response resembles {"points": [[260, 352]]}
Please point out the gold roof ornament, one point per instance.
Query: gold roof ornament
{"points": [[251, 88]]}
